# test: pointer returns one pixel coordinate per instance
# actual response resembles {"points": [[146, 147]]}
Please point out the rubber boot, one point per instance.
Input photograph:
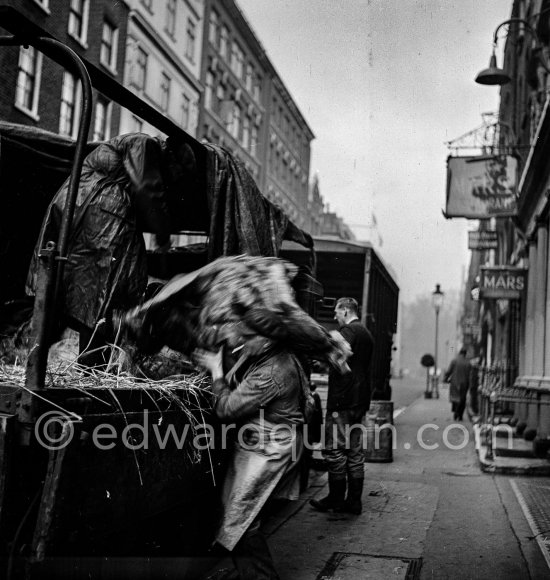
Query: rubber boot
{"points": [[335, 498], [353, 504]]}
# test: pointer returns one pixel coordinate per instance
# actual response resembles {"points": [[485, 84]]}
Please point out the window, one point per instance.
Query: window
{"points": [[213, 28], [254, 140], [237, 60], [164, 92], [257, 88], [109, 41], [246, 132], [220, 96], [236, 122], [140, 79], [170, 26], [209, 90], [190, 39], [224, 39], [102, 121], [70, 101], [249, 77], [78, 20], [28, 79], [185, 108]]}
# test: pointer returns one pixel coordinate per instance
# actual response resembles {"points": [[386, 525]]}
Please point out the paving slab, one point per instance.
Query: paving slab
{"points": [[394, 522]]}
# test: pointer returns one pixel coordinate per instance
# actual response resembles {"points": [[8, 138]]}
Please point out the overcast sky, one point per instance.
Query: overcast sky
{"points": [[384, 84]]}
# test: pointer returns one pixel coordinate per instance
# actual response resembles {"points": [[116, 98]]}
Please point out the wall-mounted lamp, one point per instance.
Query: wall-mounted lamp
{"points": [[497, 76], [493, 75]]}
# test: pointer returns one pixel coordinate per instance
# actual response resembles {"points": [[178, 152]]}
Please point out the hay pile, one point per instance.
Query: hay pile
{"points": [[188, 392]]}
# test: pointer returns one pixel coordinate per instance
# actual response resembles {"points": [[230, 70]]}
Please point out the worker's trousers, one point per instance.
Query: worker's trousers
{"points": [[344, 449]]}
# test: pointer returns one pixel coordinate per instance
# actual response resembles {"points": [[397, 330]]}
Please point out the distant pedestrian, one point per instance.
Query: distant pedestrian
{"points": [[458, 375], [347, 402]]}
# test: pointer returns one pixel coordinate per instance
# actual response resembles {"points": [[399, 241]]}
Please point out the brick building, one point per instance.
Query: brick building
{"points": [[36, 91]]}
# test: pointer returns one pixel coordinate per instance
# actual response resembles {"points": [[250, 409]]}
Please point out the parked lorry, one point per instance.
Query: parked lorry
{"points": [[63, 508], [347, 268]]}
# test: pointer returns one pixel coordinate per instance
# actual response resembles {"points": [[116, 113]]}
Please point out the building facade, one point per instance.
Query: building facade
{"points": [[233, 75], [38, 92], [288, 154], [196, 61], [248, 110], [163, 61], [333, 225], [512, 336]]}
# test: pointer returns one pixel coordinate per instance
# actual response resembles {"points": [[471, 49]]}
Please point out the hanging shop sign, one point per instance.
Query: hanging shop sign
{"points": [[481, 187], [486, 240], [504, 282]]}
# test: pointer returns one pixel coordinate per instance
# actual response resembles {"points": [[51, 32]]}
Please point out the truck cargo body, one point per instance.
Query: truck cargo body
{"points": [[354, 269]]}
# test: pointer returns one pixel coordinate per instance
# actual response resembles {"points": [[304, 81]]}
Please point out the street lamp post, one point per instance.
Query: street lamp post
{"points": [[437, 302], [493, 75]]}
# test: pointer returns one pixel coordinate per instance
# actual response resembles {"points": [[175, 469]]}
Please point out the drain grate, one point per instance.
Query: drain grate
{"points": [[534, 499], [350, 566]]}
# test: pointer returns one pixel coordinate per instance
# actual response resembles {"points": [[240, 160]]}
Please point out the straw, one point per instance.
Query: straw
{"points": [[184, 392]]}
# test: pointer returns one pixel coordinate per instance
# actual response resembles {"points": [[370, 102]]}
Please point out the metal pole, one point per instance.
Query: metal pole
{"points": [[436, 380]]}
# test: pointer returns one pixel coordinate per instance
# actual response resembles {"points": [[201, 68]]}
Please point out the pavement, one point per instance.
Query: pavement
{"points": [[432, 513]]}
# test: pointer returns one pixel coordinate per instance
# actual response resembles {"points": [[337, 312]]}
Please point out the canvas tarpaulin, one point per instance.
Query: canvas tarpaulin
{"points": [[242, 220], [33, 165], [121, 194]]}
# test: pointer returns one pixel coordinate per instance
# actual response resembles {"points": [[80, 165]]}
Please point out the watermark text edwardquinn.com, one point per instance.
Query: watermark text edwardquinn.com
{"points": [[55, 430]]}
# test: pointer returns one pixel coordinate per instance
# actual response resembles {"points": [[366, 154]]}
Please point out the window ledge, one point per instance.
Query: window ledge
{"points": [[34, 116], [80, 41], [109, 68], [170, 35]]}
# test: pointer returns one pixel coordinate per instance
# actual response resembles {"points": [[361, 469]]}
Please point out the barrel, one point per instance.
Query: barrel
{"points": [[379, 423]]}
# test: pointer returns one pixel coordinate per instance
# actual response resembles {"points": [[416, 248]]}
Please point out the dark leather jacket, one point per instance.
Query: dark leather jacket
{"points": [[272, 383]]}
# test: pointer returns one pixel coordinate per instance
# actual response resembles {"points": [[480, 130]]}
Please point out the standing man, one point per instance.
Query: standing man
{"points": [[347, 402], [458, 374]]}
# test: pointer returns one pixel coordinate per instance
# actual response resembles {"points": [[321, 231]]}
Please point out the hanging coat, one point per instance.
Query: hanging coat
{"points": [[121, 194]]}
